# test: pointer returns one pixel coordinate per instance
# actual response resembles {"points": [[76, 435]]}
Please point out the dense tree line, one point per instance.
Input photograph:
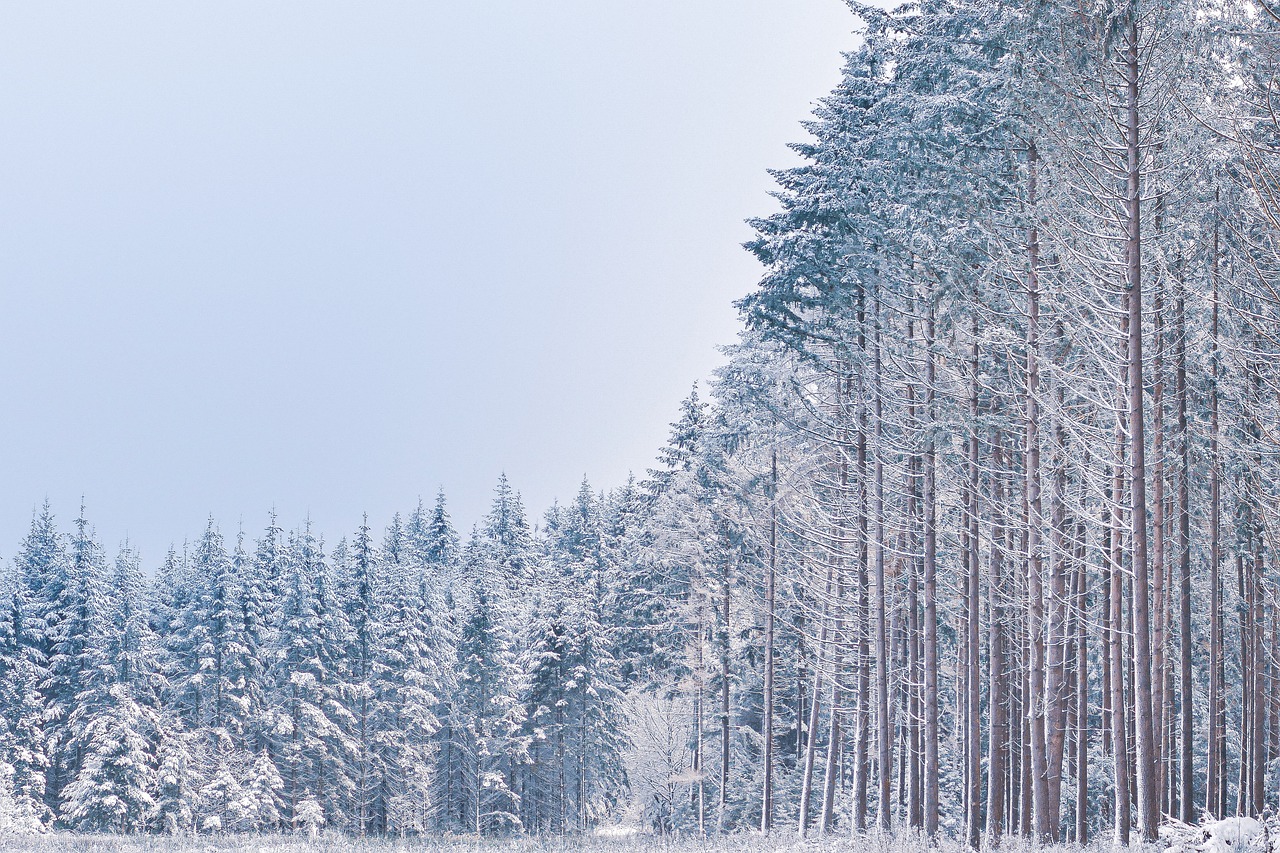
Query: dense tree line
{"points": [[975, 534], [1017, 345], [407, 686]]}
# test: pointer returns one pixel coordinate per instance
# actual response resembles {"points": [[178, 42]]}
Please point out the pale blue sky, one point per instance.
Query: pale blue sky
{"points": [[328, 256]]}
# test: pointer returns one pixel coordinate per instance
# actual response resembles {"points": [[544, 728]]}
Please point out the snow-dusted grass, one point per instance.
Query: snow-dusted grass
{"points": [[783, 842]]}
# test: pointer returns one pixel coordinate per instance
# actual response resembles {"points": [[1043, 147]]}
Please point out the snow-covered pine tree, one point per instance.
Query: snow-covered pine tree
{"points": [[115, 714], [364, 592], [22, 748], [257, 622], [178, 776], [509, 547], [78, 664], [486, 721], [313, 730], [412, 665]]}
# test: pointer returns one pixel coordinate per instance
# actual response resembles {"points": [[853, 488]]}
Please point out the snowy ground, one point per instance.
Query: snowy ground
{"points": [[781, 843]]}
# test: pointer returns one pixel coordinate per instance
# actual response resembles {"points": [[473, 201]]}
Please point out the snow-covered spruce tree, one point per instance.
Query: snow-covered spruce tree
{"points": [[257, 623], [486, 740], [22, 672], [22, 751], [312, 740], [574, 704], [363, 591], [647, 595], [437, 543], [509, 554], [40, 571], [114, 718], [178, 777], [79, 668], [413, 669]]}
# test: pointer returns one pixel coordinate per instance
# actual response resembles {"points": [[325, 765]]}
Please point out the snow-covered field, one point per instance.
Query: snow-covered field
{"points": [[780, 843]]}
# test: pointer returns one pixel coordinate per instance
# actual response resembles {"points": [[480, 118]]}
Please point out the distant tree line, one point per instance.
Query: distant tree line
{"points": [[406, 686]]}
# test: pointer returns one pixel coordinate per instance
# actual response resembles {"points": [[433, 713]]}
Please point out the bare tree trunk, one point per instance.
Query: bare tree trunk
{"points": [[1215, 787], [1057, 634], [973, 819], [725, 631], [1186, 777], [915, 651], [860, 759], [837, 655], [1148, 792], [770, 609], [915, 783], [998, 740], [1273, 707], [1253, 598], [1026, 799], [1258, 762], [1119, 735], [1159, 616], [931, 734], [1246, 694], [884, 768], [1046, 831], [1082, 693], [833, 757], [811, 745]]}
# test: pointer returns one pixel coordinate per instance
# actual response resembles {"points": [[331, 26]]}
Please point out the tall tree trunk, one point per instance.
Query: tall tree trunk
{"points": [[1246, 694], [1158, 571], [1215, 783], [725, 633], [973, 819], [915, 683], [834, 741], [1056, 686], [770, 610], [997, 695], [861, 764], [1148, 792], [1254, 599], [1119, 733], [1026, 800], [840, 539], [931, 733], [1082, 692], [811, 744], [1186, 721], [884, 744], [1045, 828], [1258, 704]]}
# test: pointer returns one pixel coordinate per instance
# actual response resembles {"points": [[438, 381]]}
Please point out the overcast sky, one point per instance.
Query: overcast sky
{"points": [[329, 256]]}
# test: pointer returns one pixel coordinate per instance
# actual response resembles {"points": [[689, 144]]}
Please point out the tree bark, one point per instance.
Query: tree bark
{"points": [[770, 609], [884, 744], [1186, 721], [1148, 792], [1119, 734], [1044, 825], [998, 741], [931, 734], [973, 818], [1215, 783]]}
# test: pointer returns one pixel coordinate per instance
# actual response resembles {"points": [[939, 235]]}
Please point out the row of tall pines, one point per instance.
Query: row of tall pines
{"points": [[1018, 333], [975, 535]]}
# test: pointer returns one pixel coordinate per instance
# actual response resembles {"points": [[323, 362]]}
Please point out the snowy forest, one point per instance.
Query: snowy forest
{"points": [[974, 534]]}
